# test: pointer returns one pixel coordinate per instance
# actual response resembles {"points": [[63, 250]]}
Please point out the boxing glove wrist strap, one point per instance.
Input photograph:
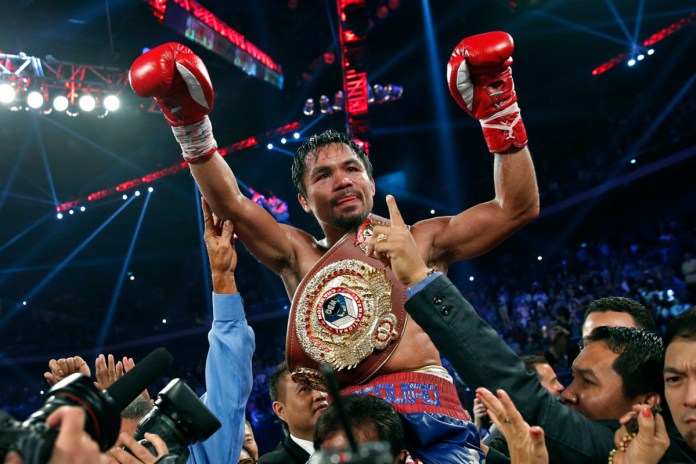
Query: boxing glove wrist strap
{"points": [[512, 109], [196, 140], [504, 129]]}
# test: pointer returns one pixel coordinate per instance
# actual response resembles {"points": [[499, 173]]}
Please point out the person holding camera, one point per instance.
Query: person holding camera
{"points": [[73, 445], [228, 374]]}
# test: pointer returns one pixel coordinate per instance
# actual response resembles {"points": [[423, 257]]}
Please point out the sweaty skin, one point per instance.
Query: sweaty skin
{"points": [[339, 191]]}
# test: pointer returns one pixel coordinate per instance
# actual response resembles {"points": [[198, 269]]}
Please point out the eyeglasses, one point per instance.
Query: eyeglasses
{"points": [[247, 461], [581, 344]]}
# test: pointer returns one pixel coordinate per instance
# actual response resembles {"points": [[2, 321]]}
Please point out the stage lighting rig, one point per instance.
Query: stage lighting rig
{"points": [[376, 95], [633, 56], [29, 83]]}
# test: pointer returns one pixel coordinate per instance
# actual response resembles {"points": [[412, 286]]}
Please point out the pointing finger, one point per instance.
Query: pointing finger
{"points": [[394, 213]]}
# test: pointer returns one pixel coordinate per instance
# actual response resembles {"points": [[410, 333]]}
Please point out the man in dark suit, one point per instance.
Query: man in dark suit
{"points": [[298, 407], [618, 367]]}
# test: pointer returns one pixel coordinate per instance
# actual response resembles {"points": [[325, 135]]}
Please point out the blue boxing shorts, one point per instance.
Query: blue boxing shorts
{"points": [[438, 430]]}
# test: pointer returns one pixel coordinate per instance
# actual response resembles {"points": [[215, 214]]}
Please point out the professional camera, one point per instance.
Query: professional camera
{"points": [[179, 418], [376, 452], [34, 440]]}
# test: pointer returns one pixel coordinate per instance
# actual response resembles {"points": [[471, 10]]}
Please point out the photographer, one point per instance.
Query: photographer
{"points": [[107, 372], [228, 374], [372, 420], [73, 445]]}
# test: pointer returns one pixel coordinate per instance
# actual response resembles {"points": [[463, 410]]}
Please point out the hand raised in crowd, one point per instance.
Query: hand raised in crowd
{"points": [[645, 447], [107, 370], [219, 240], [479, 414], [63, 367], [396, 246], [526, 443], [138, 453]]}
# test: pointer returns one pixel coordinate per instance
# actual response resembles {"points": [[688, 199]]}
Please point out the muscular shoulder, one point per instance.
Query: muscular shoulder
{"points": [[426, 234]]}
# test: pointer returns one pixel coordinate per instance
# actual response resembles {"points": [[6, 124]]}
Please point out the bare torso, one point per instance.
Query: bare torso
{"points": [[415, 349]]}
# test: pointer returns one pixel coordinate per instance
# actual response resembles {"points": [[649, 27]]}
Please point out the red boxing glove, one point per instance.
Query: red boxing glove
{"points": [[179, 81], [480, 80]]}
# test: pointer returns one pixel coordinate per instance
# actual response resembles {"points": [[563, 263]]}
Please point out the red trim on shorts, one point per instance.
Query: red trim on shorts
{"points": [[414, 392]]}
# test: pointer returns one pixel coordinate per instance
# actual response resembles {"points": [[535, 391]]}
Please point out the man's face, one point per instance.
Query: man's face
{"points": [[680, 387], [300, 408], [606, 319], [339, 191], [596, 390], [549, 379], [250, 442]]}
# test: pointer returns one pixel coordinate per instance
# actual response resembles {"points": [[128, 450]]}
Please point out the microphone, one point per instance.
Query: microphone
{"points": [[102, 408], [128, 387]]}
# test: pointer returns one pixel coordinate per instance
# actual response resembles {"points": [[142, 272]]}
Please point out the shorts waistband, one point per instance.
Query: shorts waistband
{"points": [[414, 392]]}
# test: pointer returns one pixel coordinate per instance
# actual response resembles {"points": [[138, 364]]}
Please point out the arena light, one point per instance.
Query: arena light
{"points": [[35, 99], [379, 93], [338, 101], [112, 103], [87, 103], [57, 80], [7, 93], [60, 103], [325, 105], [394, 92], [308, 109], [376, 94], [247, 143], [649, 42]]}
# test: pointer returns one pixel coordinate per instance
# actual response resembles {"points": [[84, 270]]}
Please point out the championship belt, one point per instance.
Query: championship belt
{"points": [[348, 312]]}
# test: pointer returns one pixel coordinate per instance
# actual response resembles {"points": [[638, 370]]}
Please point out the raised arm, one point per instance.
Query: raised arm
{"points": [[180, 83], [480, 80], [228, 375]]}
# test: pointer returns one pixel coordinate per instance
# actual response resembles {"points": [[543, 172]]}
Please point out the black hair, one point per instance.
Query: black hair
{"points": [[682, 326], [640, 360], [619, 304], [275, 381], [276, 387], [532, 360], [363, 412], [312, 147]]}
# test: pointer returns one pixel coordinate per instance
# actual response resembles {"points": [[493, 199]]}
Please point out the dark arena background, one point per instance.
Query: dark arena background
{"points": [[100, 229]]}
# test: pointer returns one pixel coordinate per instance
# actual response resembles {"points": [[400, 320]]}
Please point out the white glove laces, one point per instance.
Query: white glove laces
{"points": [[509, 128]]}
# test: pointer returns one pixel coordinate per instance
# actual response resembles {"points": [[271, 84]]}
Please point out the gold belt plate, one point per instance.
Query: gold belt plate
{"points": [[344, 314]]}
